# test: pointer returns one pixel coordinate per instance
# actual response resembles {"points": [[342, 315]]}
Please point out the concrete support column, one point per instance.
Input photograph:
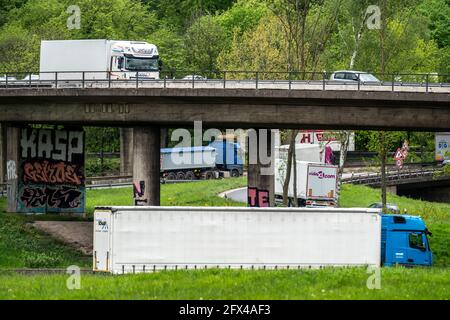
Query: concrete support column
{"points": [[12, 166], [146, 166], [391, 189], [261, 179], [126, 151], [2, 153]]}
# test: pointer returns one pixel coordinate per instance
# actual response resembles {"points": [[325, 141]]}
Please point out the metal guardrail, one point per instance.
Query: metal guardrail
{"points": [[287, 80], [374, 179]]}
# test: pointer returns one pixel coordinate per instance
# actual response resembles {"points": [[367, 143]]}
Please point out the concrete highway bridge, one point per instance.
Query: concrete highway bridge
{"points": [[144, 107]]}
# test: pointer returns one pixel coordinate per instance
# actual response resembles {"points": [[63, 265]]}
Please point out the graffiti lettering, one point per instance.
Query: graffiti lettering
{"points": [[51, 144], [52, 173], [139, 190], [63, 198], [11, 172], [258, 198]]}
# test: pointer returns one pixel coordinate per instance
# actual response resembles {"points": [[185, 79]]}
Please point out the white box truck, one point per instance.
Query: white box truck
{"points": [[316, 183], [143, 239], [98, 60]]}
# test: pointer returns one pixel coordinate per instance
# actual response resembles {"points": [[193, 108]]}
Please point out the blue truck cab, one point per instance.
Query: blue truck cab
{"points": [[228, 157], [404, 241]]}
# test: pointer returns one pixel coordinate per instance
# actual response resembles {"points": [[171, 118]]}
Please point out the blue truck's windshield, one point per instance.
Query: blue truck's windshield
{"points": [[141, 64]]}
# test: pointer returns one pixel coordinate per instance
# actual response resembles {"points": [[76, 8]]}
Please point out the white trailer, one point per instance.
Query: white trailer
{"points": [[442, 141], [98, 60], [303, 152], [316, 183], [143, 239]]}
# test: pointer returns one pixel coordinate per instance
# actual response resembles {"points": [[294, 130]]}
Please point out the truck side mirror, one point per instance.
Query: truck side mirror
{"points": [[120, 63], [160, 64]]}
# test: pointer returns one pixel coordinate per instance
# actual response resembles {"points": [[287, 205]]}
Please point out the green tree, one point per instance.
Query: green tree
{"points": [[384, 142], [205, 40]]}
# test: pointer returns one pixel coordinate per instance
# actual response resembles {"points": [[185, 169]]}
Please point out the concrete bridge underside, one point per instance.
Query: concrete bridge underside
{"points": [[147, 110], [229, 108]]}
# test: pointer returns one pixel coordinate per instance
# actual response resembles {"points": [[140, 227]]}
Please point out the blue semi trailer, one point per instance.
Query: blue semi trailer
{"points": [[218, 159], [404, 241]]}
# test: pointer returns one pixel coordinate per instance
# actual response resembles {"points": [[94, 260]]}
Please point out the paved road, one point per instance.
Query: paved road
{"points": [[238, 84]]}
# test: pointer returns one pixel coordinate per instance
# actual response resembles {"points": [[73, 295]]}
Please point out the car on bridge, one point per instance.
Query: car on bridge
{"points": [[194, 77], [10, 79], [390, 207], [351, 76]]}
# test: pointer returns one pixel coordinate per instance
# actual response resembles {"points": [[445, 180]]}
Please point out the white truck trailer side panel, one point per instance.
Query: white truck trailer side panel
{"points": [[75, 55], [147, 238]]}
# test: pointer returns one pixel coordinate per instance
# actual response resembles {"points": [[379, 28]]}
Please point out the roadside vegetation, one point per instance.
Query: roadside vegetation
{"points": [[330, 283], [23, 247]]}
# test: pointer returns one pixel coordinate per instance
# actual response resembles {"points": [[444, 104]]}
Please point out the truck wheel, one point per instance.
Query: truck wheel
{"points": [[171, 176], [209, 175], [180, 176], [190, 175], [235, 173]]}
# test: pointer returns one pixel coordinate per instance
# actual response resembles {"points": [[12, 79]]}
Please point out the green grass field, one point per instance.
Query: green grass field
{"points": [[332, 283], [22, 246]]}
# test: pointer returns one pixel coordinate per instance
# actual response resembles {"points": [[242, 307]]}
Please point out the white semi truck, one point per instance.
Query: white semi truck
{"points": [[98, 60], [316, 183], [146, 239]]}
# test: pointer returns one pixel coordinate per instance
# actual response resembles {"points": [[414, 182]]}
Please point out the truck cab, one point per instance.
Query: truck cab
{"points": [[404, 241]]}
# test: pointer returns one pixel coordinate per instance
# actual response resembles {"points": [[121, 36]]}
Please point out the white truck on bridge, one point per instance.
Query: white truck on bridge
{"points": [[98, 59]]}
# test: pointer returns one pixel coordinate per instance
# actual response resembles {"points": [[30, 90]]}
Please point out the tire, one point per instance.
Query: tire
{"points": [[235, 173], [171, 176], [209, 175], [189, 175], [180, 175]]}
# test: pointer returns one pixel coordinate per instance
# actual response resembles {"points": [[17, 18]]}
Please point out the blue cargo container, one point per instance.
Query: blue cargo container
{"points": [[228, 157]]}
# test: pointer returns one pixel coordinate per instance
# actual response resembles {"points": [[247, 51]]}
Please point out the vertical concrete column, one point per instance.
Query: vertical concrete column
{"points": [[261, 179], [146, 166], [126, 151], [391, 189], [12, 166], [2, 153]]}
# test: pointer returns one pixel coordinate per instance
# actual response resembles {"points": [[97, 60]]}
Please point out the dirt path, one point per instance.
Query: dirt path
{"points": [[77, 234]]}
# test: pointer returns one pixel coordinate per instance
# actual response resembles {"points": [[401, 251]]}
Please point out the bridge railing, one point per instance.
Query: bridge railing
{"points": [[393, 175], [231, 79]]}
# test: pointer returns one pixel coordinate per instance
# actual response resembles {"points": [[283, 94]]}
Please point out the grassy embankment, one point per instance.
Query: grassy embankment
{"points": [[17, 241]]}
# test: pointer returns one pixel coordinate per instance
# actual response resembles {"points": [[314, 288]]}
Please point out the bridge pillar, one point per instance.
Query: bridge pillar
{"points": [[12, 163], [126, 151], [2, 153], [391, 189], [261, 179], [146, 166]]}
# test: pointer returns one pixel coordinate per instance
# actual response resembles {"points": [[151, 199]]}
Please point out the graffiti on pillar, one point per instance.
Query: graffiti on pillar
{"points": [[50, 172], [258, 197], [11, 171], [139, 191], [59, 198], [11, 184], [51, 175]]}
